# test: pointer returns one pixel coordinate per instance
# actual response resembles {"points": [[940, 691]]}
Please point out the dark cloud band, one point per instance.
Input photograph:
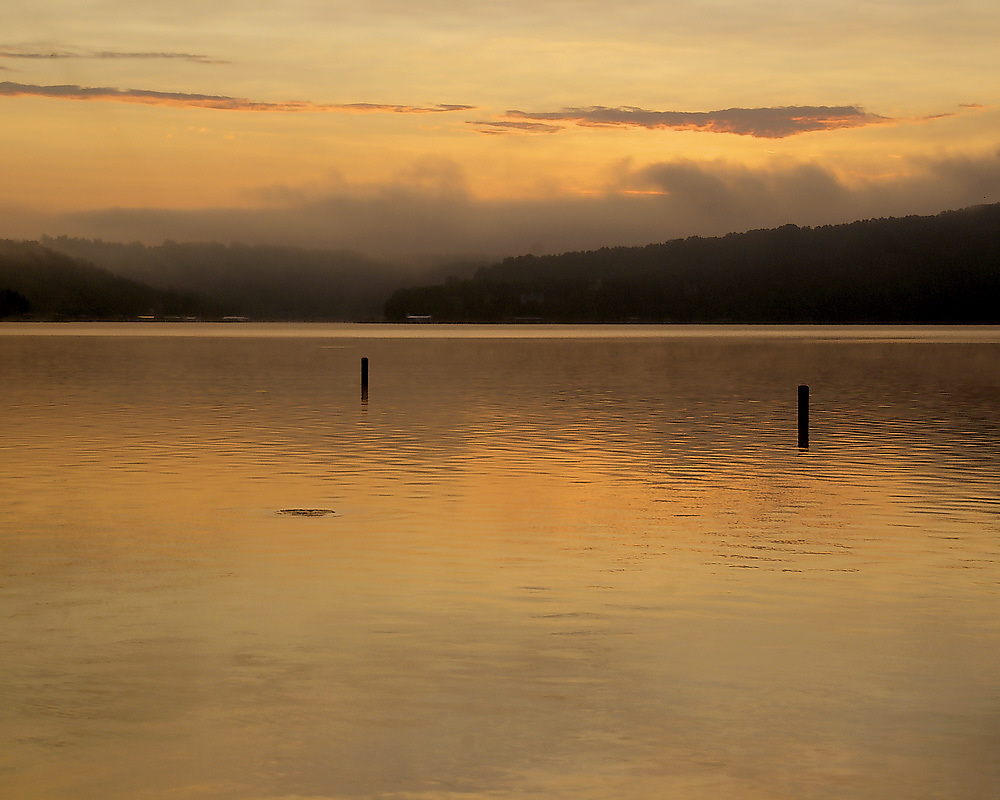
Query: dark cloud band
{"points": [[763, 123], [54, 55], [218, 102]]}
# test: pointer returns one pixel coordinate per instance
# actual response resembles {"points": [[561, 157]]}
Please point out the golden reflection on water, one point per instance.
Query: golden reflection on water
{"points": [[580, 567]]}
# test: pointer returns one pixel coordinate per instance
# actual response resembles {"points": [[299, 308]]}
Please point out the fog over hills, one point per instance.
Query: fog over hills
{"points": [[944, 268], [434, 208]]}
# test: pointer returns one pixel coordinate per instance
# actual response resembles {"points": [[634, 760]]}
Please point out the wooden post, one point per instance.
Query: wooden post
{"points": [[364, 380], [803, 416]]}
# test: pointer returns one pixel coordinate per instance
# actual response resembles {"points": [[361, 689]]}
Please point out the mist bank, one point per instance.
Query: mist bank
{"points": [[434, 210], [940, 269]]}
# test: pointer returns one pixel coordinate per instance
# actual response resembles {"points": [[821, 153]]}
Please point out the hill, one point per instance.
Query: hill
{"points": [[262, 282], [943, 269], [38, 283]]}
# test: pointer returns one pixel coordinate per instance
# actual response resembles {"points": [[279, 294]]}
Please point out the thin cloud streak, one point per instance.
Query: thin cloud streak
{"points": [[217, 102], [762, 123], [56, 55], [501, 127]]}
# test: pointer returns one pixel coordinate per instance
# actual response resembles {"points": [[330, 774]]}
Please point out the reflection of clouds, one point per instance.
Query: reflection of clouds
{"points": [[532, 591]]}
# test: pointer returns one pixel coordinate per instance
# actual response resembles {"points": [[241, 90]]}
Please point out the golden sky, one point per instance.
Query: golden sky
{"points": [[447, 126]]}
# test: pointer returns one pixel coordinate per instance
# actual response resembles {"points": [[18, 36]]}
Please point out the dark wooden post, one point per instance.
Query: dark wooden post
{"points": [[803, 416], [364, 380]]}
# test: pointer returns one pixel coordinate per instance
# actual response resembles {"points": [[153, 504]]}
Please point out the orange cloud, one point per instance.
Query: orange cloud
{"points": [[217, 102], [763, 123]]}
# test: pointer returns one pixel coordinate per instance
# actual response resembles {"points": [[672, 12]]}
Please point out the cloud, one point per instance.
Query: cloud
{"points": [[431, 211], [762, 123], [104, 54], [499, 127], [217, 102]]}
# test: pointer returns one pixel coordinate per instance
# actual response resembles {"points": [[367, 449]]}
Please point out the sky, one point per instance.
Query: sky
{"points": [[474, 128]]}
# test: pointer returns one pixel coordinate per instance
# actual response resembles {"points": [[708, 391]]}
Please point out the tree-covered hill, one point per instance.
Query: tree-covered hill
{"points": [[944, 268], [38, 283], [263, 282], [914, 269]]}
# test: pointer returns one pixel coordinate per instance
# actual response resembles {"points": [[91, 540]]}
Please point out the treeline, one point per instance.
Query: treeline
{"points": [[914, 269], [262, 282], [944, 268], [38, 283]]}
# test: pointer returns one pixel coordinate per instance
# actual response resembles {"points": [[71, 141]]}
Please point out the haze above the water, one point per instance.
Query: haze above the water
{"points": [[474, 129]]}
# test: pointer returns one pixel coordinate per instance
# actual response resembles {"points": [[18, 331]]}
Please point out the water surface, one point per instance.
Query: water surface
{"points": [[564, 562]]}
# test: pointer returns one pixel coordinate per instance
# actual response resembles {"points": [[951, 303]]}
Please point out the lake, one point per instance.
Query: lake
{"points": [[539, 562]]}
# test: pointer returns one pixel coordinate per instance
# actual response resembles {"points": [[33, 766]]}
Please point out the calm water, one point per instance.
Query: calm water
{"points": [[568, 563]]}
